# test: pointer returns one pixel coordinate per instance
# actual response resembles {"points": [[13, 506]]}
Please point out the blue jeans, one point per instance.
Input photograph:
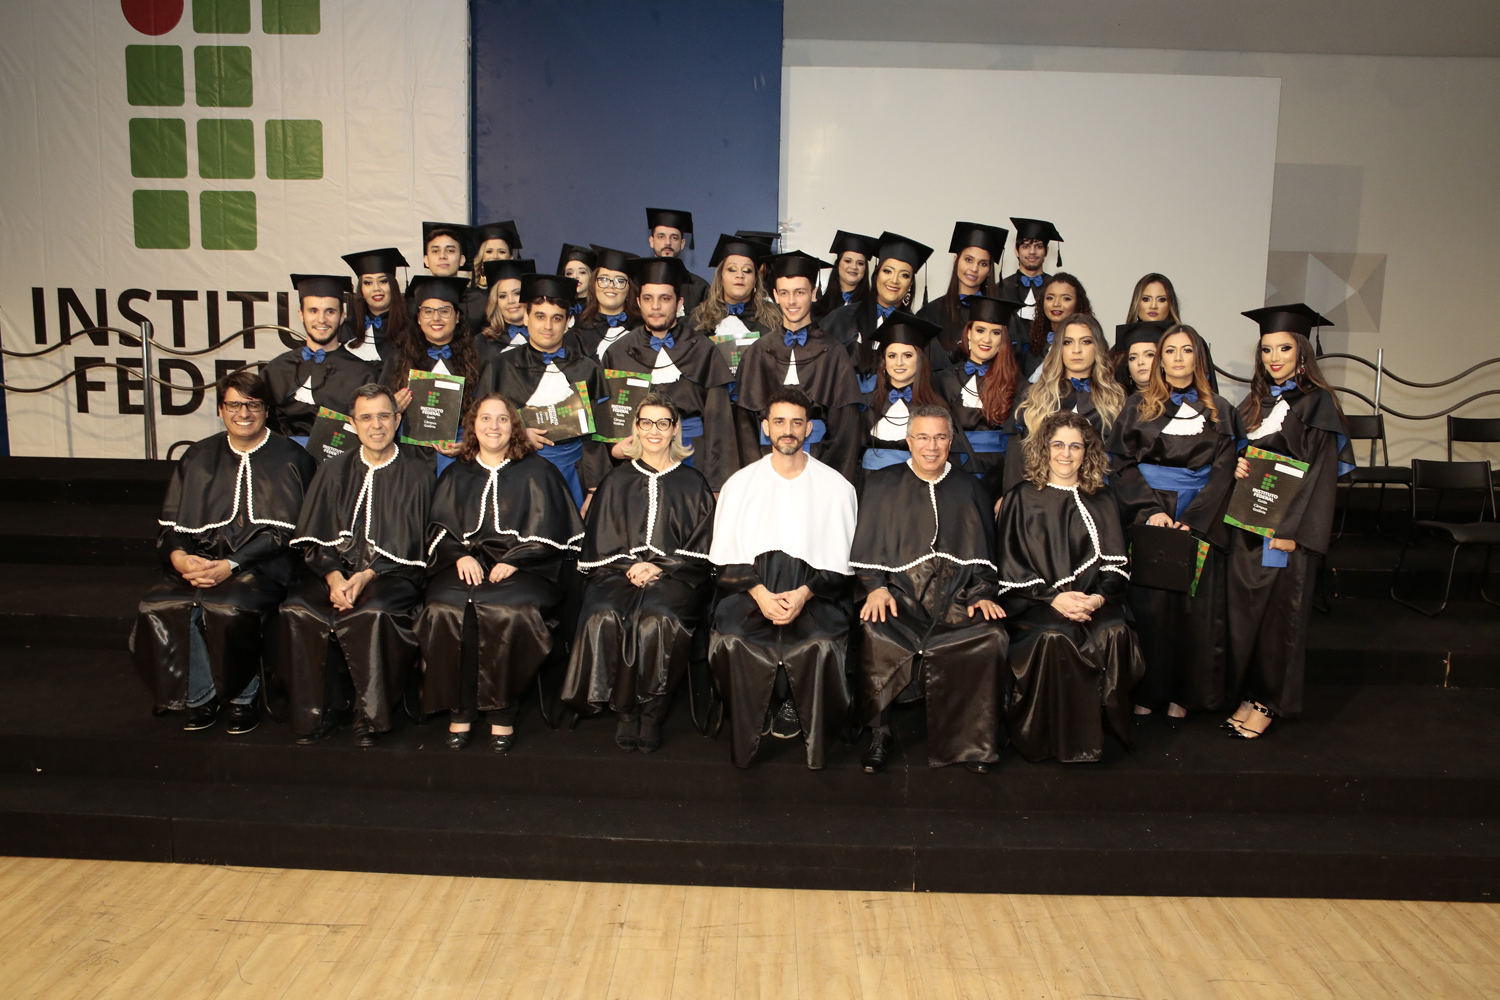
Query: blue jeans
{"points": [[200, 680]]}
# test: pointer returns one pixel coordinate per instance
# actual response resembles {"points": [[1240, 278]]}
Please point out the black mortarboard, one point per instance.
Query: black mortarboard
{"points": [[463, 234], [331, 286], [990, 239], [1036, 229], [612, 260], [658, 271], [853, 243], [1140, 332], [760, 236], [552, 286], [503, 270], [571, 252], [797, 265], [983, 309], [682, 221], [737, 246], [1293, 318], [909, 251], [904, 328], [383, 261], [498, 231], [430, 286]]}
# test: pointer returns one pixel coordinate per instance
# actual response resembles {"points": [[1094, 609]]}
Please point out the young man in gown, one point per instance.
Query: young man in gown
{"points": [[320, 372]]}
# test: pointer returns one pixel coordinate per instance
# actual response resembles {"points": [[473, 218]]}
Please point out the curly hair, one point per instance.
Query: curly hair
{"points": [[712, 310], [1040, 324], [1308, 377], [1037, 449], [1154, 397], [519, 445]]}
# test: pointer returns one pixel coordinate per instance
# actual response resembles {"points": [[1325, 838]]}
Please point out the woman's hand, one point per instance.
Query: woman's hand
{"points": [[618, 451], [588, 501], [1076, 605], [538, 439], [469, 571], [1283, 545], [1161, 521], [403, 399], [502, 571], [451, 450], [1242, 469], [642, 573], [877, 604], [989, 609]]}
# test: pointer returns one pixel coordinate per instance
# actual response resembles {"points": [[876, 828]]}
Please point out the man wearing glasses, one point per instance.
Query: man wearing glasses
{"points": [[320, 372], [225, 528], [924, 559]]}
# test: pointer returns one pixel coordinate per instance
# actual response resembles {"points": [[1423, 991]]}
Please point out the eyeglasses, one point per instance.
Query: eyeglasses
{"points": [[926, 439], [612, 282], [252, 406], [442, 312], [665, 424]]}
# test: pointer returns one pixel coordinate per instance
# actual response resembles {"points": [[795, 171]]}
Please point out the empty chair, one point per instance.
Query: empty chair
{"points": [[1485, 430], [1371, 428], [1471, 477]]}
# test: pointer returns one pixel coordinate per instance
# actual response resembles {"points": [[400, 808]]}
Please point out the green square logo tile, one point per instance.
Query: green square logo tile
{"points": [[158, 147], [226, 148], [290, 17], [153, 75], [221, 17], [228, 220], [161, 220], [294, 149], [221, 74]]}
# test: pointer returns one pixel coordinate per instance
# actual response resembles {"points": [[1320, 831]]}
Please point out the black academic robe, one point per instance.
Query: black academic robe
{"points": [[943, 349], [519, 513], [518, 372], [634, 643], [857, 327], [489, 349], [331, 383], [987, 442], [744, 327], [1017, 429], [701, 393], [825, 374], [1183, 637], [932, 546], [221, 504], [883, 435], [357, 517], [693, 293], [1020, 326], [375, 346], [597, 335], [1070, 680], [1269, 605]]}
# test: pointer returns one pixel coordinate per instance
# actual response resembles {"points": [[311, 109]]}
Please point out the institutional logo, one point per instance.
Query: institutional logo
{"points": [[226, 146]]}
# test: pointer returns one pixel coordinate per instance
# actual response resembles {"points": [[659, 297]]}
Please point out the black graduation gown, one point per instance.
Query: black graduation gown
{"points": [[1182, 636], [942, 348], [357, 517], [518, 372], [701, 394], [376, 347], [878, 451], [1268, 605], [693, 293], [825, 374], [209, 513], [1016, 430], [1020, 327], [857, 327], [932, 545], [597, 335], [1070, 680], [519, 513], [490, 350], [634, 643], [331, 382], [987, 442]]}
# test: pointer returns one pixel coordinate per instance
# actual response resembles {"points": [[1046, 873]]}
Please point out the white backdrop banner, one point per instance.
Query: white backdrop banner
{"points": [[1139, 173], [176, 161]]}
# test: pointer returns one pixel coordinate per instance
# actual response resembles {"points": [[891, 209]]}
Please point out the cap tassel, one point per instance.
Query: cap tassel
{"points": [[1059, 258]]}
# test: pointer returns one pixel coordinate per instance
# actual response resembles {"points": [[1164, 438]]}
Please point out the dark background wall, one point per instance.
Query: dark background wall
{"points": [[587, 111]]}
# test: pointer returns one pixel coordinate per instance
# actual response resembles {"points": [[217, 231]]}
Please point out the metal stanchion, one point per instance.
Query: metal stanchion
{"points": [[1379, 373], [148, 389]]}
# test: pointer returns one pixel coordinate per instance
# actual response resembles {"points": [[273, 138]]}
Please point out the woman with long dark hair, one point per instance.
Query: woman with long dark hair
{"points": [[1062, 297], [976, 250], [902, 383], [1135, 353], [612, 310], [857, 325], [1155, 301], [378, 310], [850, 280], [1172, 466], [1290, 410], [578, 262], [980, 390], [445, 347]]}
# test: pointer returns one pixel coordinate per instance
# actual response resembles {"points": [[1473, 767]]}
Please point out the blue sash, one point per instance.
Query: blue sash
{"points": [[692, 429], [565, 456], [819, 430], [987, 442], [300, 439], [1186, 482], [1270, 556], [867, 383], [881, 458]]}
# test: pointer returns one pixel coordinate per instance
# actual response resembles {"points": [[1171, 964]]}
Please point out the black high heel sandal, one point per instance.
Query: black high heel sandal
{"points": [[1241, 733]]}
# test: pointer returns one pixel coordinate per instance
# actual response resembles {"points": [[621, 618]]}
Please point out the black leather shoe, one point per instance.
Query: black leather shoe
{"points": [[332, 721], [502, 743], [882, 745], [202, 717], [650, 738], [457, 741], [364, 732], [242, 719], [786, 726], [977, 766], [627, 733]]}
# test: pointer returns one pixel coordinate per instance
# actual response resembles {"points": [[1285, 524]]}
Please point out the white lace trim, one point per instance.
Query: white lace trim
{"points": [[651, 507], [1116, 563], [488, 499], [243, 483], [932, 499], [366, 501]]}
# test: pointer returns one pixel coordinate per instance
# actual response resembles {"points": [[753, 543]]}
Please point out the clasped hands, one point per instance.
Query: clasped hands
{"points": [[344, 591], [471, 573], [1076, 605], [200, 572], [783, 608], [880, 601]]}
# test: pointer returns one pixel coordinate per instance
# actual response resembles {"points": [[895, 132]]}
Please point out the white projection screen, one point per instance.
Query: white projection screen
{"points": [[1139, 173]]}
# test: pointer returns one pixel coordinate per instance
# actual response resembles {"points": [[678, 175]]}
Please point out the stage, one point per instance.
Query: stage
{"points": [[1389, 787]]}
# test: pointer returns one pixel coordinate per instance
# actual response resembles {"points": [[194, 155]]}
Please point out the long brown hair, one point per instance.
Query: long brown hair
{"points": [[950, 301], [1308, 377], [516, 449], [1040, 325], [712, 310], [1038, 447], [997, 388], [1044, 398], [833, 295], [396, 317], [632, 310], [921, 386], [1154, 397], [1133, 313], [465, 357]]}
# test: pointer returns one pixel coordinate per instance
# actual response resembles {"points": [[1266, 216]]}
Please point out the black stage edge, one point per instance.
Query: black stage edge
{"points": [[1389, 787]]}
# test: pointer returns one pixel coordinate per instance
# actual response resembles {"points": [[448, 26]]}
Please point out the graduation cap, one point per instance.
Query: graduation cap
{"points": [[990, 239], [502, 270], [498, 231], [853, 243], [461, 233], [759, 236], [658, 271], [572, 252], [551, 286], [1293, 318], [983, 309], [383, 261], [672, 218], [896, 247], [738, 246], [904, 328], [612, 260], [430, 286], [1037, 229], [796, 265], [331, 286], [1127, 335]]}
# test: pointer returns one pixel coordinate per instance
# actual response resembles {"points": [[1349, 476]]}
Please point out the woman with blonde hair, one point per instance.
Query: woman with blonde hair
{"points": [[736, 310]]}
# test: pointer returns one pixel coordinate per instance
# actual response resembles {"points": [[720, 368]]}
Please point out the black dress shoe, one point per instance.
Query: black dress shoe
{"points": [[202, 717], [627, 733], [331, 722], [786, 725], [242, 719], [881, 747], [457, 741], [364, 732], [650, 738], [502, 743], [977, 766]]}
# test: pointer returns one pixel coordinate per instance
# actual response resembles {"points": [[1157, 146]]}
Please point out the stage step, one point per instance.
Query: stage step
{"points": [[130, 481]]}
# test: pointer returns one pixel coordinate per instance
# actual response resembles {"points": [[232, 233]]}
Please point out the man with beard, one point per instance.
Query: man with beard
{"points": [[320, 372], [781, 541], [671, 232]]}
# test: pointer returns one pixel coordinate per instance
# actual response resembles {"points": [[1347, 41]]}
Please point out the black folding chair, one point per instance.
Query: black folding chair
{"points": [[1371, 428], [1472, 477], [1483, 430]]}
